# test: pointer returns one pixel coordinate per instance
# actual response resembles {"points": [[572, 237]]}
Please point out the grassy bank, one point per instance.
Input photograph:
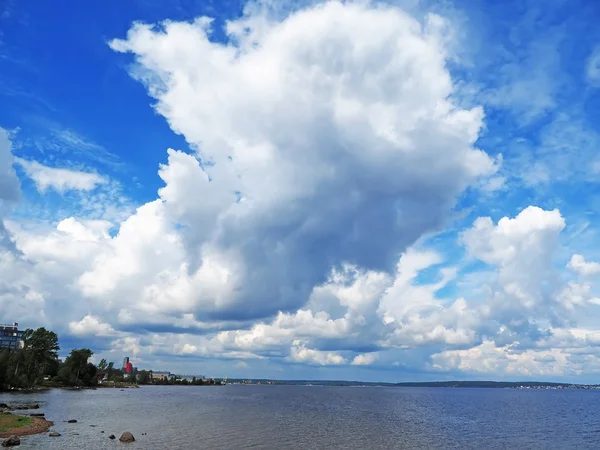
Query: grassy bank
{"points": [[10, 421], [21, 425]]}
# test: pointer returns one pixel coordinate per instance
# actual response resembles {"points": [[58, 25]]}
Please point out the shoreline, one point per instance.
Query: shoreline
{"points": [[41, 389], [36, 426]]}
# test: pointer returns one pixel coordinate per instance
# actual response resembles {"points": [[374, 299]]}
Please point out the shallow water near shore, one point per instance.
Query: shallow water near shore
{"points": [[303, 417]]}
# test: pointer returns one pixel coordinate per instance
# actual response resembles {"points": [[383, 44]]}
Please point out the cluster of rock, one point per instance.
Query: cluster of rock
{"points": [[14, 440], [7, 407], [11, 441]]}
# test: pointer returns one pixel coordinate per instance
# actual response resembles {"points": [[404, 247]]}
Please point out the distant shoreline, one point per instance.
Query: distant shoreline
{"points": [[40, 389], [334, 383], [422, 384]]}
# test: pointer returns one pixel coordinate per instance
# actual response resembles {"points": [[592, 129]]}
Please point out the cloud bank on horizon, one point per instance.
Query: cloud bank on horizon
{"points": [[361, 192]]}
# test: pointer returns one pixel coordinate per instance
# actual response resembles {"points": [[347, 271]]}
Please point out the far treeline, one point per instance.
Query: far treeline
{"points": [[36, 365]]}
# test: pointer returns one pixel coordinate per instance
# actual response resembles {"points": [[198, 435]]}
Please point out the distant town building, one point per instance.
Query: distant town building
{"points": [[160, 375], [11, 337], [128, 368], [188, 378], [102, 376]]}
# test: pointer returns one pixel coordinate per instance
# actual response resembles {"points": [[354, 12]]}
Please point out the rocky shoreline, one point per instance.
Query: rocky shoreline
{"points": [[69, 388], [13, 426]]}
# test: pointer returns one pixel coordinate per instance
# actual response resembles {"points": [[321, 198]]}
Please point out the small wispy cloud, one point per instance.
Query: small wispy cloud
{"points": [[592, 68], [60, 179], [7, 8], [53, 138], [71, 141], [527, 82], [12, 89], [10, 190]]}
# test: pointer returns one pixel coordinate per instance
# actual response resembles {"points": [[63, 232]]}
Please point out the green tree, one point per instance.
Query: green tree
{"points": [[17, 369], [114, 374], [41, 353], [26, 367], [76, 369], [103, 365], [143, 377], [4, 359], [88, 376]]}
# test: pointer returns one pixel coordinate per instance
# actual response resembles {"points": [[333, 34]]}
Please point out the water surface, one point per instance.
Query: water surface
{"points": [[315, 417]]}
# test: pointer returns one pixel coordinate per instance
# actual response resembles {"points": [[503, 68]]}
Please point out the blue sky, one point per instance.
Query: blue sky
{"points": [[382, 191]]}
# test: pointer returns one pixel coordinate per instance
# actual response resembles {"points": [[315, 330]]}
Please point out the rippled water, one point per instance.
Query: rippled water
{"points": [[303, 417]]}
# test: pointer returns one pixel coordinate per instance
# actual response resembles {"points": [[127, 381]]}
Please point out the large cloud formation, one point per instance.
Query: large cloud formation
{"points": [[321, 160], [341, 145]]}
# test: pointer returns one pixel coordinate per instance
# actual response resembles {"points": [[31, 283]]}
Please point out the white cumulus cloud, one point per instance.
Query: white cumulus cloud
{"points": [[365, 359], [90, 325], [579, 265], [299, 353], [341, 145]]}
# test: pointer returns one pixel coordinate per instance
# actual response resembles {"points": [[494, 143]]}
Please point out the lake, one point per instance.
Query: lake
{"points": [[315, 417]]}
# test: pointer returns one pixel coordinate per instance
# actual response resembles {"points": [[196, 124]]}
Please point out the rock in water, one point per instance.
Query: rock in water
{"points": [[37, 414], [112, 436], [127, 437], [54, 434], [25, 406], [72, 421], [11, 441]]}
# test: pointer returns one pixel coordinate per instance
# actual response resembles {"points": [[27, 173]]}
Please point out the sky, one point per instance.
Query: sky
{"points": [[382, 191]]}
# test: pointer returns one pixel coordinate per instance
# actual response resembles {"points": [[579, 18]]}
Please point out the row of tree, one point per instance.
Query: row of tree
{"points": [[37, 364], [145, 377], [27, 367]]}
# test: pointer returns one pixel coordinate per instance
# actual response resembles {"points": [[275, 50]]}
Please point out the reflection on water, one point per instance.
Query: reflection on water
{"points": [[301, 417]]}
